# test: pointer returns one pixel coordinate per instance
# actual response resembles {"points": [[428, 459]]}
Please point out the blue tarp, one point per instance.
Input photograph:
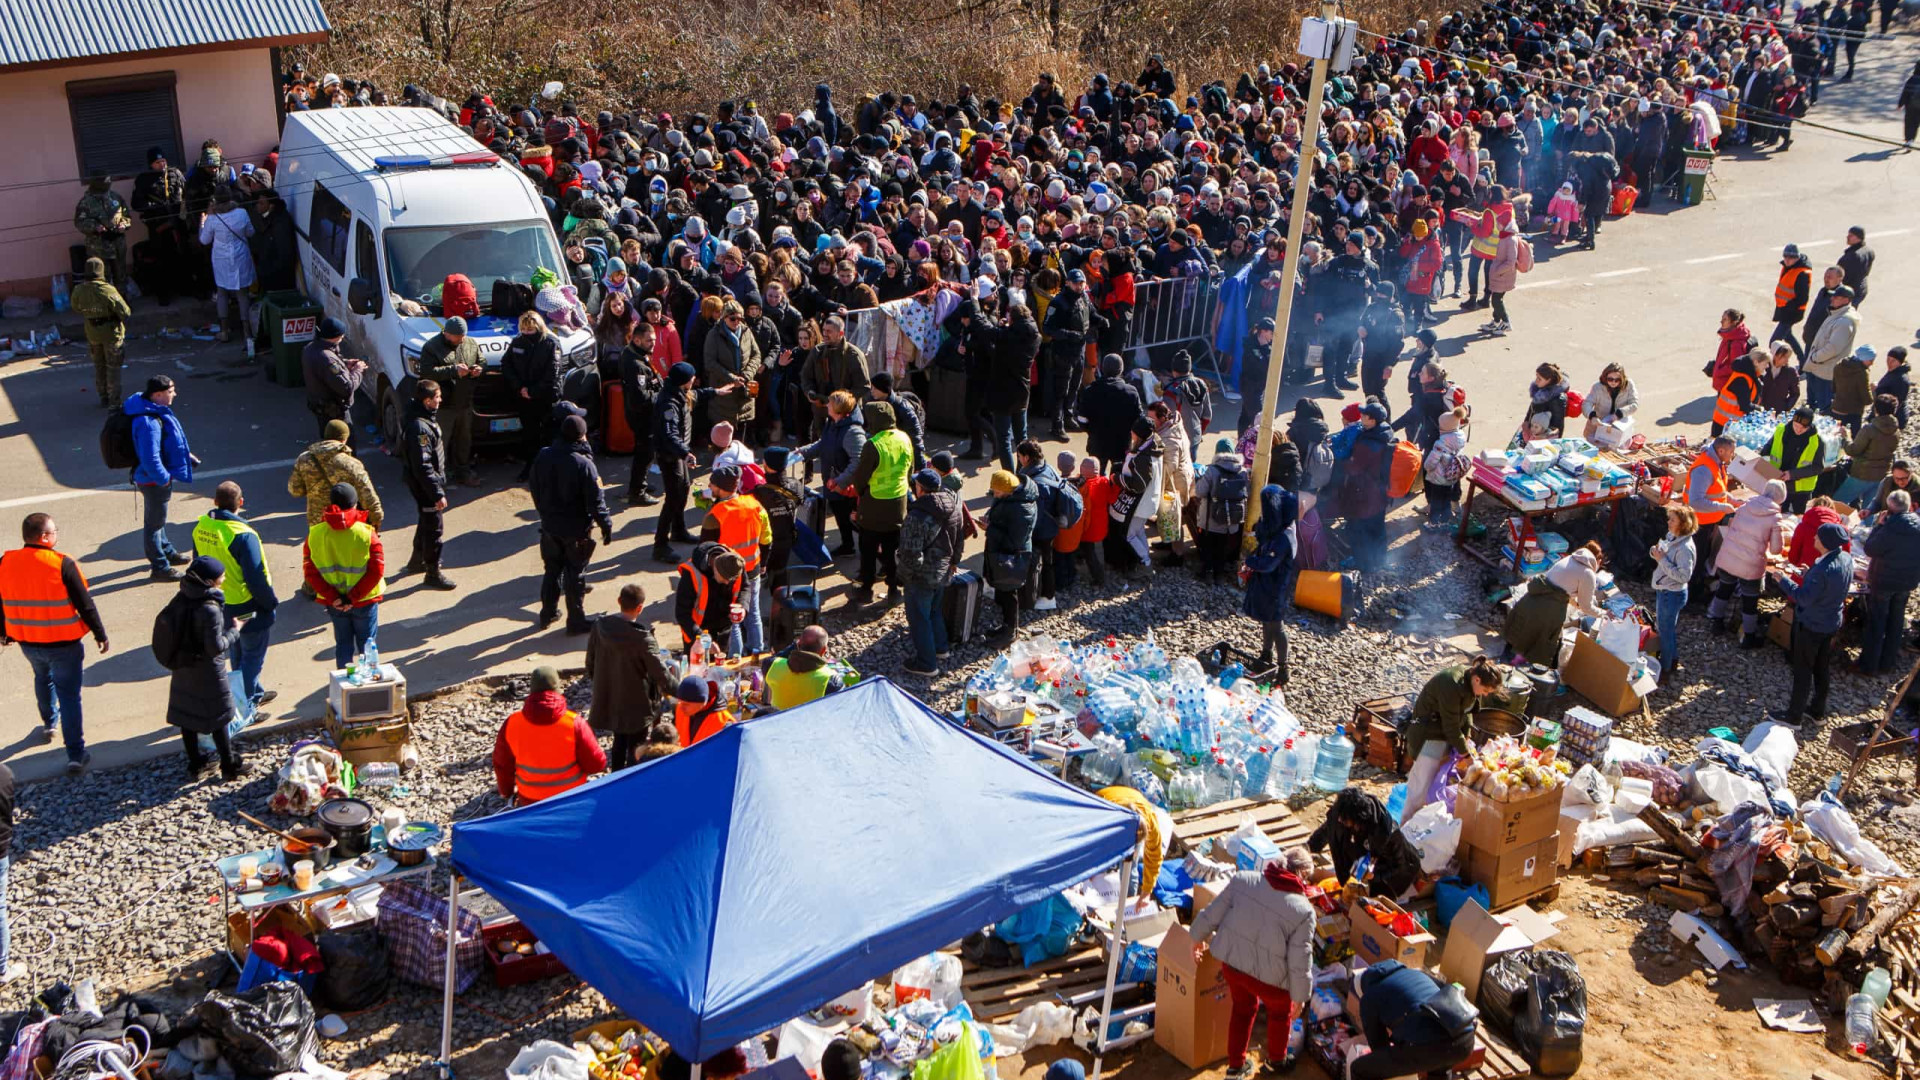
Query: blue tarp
{"points": [[717, 892]]}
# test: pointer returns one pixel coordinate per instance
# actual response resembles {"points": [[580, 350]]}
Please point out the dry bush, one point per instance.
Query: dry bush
{"points": [[691, 54]]}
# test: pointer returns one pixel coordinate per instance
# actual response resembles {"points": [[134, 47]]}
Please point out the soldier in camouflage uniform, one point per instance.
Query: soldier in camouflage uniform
{"points": [[106, 313], [159, 197], [103, 220]]}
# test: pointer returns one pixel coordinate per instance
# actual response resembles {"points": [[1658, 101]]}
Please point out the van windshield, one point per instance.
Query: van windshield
{"points": [[419, 259]]}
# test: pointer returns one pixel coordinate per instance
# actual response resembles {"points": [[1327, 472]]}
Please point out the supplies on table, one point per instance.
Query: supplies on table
{"points": [[617, 1049], [1164, 726], [1509, 809], [1754, 432]]}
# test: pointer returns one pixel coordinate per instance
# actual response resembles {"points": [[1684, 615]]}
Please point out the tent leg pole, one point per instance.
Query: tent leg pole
{"points": [[696, 1072], [1113, 964], [453, 952]]}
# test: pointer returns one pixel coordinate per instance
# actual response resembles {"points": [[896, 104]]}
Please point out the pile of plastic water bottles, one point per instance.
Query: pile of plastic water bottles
{"points": [[1163, 726], [1755, 432]]}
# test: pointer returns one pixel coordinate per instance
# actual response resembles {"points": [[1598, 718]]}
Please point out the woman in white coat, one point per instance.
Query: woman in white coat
{"points": [[1612, 399], [1746, 540], [225, 229]]}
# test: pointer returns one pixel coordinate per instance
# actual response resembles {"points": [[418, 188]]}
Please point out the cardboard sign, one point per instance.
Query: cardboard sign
{"points": [[1191, 1003]]}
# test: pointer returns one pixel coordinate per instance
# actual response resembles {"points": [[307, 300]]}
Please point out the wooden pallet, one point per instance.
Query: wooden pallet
{"points": [[1210, 822], [994, 993], [1502, 1061]]}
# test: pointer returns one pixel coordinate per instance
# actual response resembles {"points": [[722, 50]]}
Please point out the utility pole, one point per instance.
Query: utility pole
{"points": [[1322, 42]]}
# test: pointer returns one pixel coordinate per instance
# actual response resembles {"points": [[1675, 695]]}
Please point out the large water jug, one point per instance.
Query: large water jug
{"points": [[1219, 781], [1286, 771], [1333, 762]]}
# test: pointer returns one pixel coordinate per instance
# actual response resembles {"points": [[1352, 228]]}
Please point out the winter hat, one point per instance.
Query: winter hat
{"points": [[331, 328], [1865, 355], [680, 374], [1420, 229], [344, 496], [1003, 482], [692, 690], [1777, 491], [1066, 1069], [1065, 462], [1375, 410], [927, 479], [338, 431], [1222, 446], [1351, 413], [545, 678], [1791, 251], [722, 435], [1111, 365], [1143, 427], [725, 478], [775, 458], [1832, 536], [205, 569]]}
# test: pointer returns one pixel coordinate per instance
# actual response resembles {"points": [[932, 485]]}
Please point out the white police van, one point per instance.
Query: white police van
{"points": [[387, 202]]}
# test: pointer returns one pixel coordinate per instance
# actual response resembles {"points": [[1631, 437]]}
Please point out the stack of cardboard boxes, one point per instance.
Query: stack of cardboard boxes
{"points": [[1509, 847]]}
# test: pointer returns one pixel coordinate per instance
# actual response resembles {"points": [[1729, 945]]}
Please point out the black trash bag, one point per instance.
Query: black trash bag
{"points": [[357, 975], [1503, 989], [1549, 1030], [263, 1032]]}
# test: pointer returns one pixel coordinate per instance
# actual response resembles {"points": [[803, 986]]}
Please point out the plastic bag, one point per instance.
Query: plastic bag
{"points": [[958, 1060], [1589, 786], [1451, 894], [356, 976], [1041, 1024], [1830, 822], [1435, 833], [935, 976], [546, 1060], [1773, 747], [1718, 785], [1621, 637], [1167, 523], [1422, 775], [1503, 988], [1550, 1030], [804, 1041], [266, 1030]]}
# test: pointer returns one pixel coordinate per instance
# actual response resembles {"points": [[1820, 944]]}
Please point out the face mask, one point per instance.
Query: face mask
{"points": [[780, 196], [659, 198], [698, 128]]}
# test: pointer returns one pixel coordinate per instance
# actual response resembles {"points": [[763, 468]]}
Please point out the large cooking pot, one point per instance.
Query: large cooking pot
{"points": [[315, 844], [350, 823], [1491, 723]]}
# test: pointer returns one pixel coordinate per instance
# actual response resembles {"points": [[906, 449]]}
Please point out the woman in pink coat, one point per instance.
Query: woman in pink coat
{"points": [[1746, 540]]}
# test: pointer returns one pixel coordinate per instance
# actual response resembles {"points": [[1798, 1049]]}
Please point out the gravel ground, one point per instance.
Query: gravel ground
{"points": [[117, 885]]}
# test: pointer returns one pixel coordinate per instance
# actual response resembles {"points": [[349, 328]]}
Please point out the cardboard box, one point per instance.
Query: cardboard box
{"points": [[1780, 629], [1498, 827], [1516, 874], [1204, 894], [1752, 470], [1478, 936], [1600, 677], [1569, 826], [1145, 929], [1374, 943], [1191, 1004], [377, 740]]}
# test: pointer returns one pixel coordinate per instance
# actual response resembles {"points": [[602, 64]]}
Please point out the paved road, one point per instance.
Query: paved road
{"points": [[1650, 297]]}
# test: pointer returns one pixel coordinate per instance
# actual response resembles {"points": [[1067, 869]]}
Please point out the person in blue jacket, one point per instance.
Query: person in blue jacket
{"points": [[1268, 575], [160, 444], [1818, 603], [1404, 1041]]}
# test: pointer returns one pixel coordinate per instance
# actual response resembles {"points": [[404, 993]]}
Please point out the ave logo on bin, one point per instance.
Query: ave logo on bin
{"points": [[298, 327]]}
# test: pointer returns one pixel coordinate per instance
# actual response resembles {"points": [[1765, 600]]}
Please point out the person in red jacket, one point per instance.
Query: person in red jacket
{"points": [[545, 748], [1427, 152], [1735, 340], [1820, 511]]}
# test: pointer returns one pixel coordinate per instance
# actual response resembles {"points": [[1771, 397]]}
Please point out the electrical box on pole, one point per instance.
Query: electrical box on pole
{"points": [[1331, 40]]}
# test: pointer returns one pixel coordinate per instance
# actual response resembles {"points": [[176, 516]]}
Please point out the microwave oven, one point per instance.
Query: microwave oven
{"points": [[351, 704]]}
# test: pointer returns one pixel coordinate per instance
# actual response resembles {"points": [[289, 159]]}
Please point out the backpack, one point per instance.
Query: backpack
{"points": [[1523, 255], [1068, 504], [1317, 466], [1448, 465], [173, 644], [116, 441], [511, 299], [1403, 477], [1227, 498]]}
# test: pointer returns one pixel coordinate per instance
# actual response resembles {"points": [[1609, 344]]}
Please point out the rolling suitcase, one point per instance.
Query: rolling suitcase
{"points": [[961, 606]]}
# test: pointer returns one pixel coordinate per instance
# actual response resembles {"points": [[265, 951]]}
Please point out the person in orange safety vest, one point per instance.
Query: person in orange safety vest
{"points": [[698, 711], [46, 609], [545, 748], [740, 524]]}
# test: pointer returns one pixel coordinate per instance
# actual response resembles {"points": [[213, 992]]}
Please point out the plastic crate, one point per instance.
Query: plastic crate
{"points": [[528, 969], [1221, 655]]}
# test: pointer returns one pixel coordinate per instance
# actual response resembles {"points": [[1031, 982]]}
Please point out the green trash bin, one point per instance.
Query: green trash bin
{"points": [[290, 318], [1693, 178]]}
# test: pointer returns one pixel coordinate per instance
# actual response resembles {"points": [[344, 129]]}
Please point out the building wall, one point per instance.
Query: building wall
{"points": [[228, 96]]}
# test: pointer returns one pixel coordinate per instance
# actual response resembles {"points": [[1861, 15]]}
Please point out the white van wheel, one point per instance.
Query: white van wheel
{"points": [[390, 414]]}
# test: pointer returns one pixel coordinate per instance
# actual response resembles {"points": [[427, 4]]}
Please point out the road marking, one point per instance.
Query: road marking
{"points": [[1891, 232], [1622, 273], [1814, 243], [1712, 258], [1539, 284], [75, 493]]}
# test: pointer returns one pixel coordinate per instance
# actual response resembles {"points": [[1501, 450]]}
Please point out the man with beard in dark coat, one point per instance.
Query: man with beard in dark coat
{"points": [[1109, 406]]}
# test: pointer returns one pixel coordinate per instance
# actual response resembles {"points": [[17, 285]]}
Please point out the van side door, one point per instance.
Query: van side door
{"points": [[326, 265], [365, 330]]}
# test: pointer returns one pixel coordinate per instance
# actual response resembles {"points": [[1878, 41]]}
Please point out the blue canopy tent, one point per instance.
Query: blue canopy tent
{"points": [[720, 891]]}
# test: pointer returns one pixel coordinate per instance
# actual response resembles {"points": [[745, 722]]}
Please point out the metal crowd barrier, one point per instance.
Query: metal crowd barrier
{"points": [[1179, 311]]}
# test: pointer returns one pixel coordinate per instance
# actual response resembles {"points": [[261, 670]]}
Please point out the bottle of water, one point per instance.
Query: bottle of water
{"points": [[373, 661], [1286, 771], [1256, 772], [1220, 780], [1861, 1029], [1333, 763], [1141, 779], [1396, 801], [378, 774], [1876, 985], [1104, 765], [1231, 674], [1271, 721]]}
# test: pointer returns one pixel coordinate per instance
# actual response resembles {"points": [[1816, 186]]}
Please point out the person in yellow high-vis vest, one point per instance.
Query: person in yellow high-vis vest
{"points": [[1797, 450], [221, 534], [880, 478], [346, 568]]}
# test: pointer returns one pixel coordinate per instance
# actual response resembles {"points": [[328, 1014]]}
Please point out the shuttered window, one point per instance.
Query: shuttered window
{"points": [[115, 122]]}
